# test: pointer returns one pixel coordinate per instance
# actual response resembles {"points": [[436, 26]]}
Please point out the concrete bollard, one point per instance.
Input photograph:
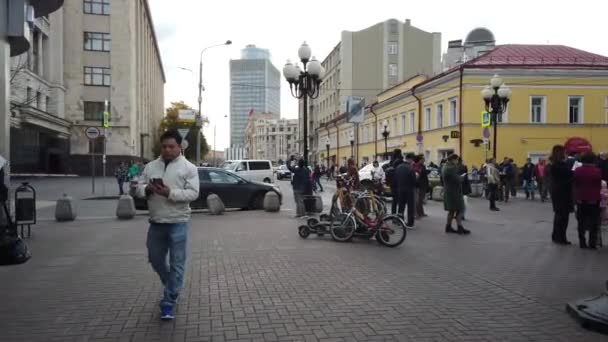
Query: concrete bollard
{"points": [[437, 193], [64, 209], [271, 202], [125, 210], [215, 204], [318, 204]]}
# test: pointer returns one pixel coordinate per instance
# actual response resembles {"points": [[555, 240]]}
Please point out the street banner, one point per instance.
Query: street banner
{"points": [[355, 107]]}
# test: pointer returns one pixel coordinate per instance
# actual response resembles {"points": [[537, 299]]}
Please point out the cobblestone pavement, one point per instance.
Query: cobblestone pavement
{"points": [[251, 278]]}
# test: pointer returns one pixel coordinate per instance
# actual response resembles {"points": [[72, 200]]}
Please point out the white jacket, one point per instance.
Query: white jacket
{"points": [[181, 176]]}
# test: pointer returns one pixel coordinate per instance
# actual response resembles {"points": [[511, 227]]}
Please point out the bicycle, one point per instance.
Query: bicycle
{"points": [[363, 214]]}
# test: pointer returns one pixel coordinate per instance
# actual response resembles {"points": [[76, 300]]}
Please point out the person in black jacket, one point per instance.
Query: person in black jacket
{"points": [[301, 184], [603, 165], [528, 174], [405, 183], [561, 194], [396, 160]]}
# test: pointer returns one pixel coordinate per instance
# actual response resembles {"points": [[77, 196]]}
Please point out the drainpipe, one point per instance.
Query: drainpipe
{"points": [[371, 109], [328, 139], [419, 112], [460, 123], [337, 143]]}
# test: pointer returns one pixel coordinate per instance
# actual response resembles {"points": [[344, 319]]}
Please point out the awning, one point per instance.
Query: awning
{"points": [[577, 145]]}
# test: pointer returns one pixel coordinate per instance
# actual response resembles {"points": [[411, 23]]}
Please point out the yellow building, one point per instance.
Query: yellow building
{"points": [[558, 93]]}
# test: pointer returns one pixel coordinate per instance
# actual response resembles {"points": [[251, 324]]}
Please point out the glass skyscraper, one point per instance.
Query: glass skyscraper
{"points": [[254, 87]]}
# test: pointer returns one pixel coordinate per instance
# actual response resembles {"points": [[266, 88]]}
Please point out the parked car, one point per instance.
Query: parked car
{"points": [[251, 170], [234, 191], [366, 171], [283, 172]]}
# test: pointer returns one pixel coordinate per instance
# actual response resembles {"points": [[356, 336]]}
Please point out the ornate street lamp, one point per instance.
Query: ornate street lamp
{"points": [[496, 97], [304, 83], [385, 134], [327, 147], [352, 144]]}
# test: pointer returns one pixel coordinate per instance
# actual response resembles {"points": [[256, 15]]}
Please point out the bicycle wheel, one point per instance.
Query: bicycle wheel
{"points": [[392, 231], [343, 227]]}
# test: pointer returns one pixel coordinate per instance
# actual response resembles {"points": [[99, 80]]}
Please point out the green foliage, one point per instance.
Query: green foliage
{"points": [[172, 121]]}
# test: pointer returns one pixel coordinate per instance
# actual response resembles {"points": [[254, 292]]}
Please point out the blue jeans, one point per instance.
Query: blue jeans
{"points": [[168, 239]]}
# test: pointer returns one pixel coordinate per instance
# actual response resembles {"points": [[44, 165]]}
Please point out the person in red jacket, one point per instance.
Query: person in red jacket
{"points": [[587, 193]]}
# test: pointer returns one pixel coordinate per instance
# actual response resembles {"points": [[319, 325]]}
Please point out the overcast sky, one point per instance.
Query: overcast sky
{"points": [[184, 27]]}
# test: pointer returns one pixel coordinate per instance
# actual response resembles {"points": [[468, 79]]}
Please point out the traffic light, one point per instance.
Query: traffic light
{"points": [[106, 119]]}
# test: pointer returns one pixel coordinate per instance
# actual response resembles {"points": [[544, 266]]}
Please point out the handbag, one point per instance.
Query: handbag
{"points": [[13, 250]]}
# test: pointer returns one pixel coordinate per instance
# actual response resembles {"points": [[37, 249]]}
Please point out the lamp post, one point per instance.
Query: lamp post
{"points": [[352, 145], [199, 117], [496, 97], [327, 147], [304, 83], [385, 134]]}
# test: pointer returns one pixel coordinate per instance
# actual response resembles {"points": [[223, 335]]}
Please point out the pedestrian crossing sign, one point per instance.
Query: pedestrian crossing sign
{"points": [[485, 119]]}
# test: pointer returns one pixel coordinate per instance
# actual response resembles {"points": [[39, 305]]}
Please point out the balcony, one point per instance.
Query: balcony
{"points": [[45, 7]]}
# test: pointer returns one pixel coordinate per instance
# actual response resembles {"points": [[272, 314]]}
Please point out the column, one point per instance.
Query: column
{"points": [[5, 120]]}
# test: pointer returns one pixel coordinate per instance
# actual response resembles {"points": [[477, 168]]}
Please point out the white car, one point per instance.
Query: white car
{"points": [[251, 170], [366, 171]]}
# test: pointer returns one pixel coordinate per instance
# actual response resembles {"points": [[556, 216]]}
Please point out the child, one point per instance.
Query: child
{"points": [[604, 204]]}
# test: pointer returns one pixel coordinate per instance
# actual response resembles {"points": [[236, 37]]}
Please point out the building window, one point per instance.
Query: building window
{"points": [[93, 111], [97, 76], [47, 103], [403, 123], [537, 109], [392, 69], [439, 115], [38, 100], [28, 96], [392, 48], [95, 41], [100, 7], [575, 109], [412, 121], [427, 118], [453, 112], [395, 125]]}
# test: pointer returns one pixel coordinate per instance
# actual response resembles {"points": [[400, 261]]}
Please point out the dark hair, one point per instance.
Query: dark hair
{"points": [[453, 156], [588, 158], [301, 163], [397, 154], [418, 158], [410, 156], [171, 134], [558, 153]]}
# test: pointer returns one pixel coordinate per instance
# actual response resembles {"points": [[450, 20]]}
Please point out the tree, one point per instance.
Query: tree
{"points": [[18, 83], [172, 121]]}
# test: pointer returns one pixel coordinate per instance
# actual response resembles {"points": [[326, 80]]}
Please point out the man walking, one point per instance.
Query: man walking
{"points": [[528, 174], [121, 175], [493, 178], [390, 178], [301, 184], [317, 178], [169, 183]]}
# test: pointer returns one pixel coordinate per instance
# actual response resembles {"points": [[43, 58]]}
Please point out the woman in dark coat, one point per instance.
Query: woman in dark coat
{"points": [[561, 194], [453, 201]]}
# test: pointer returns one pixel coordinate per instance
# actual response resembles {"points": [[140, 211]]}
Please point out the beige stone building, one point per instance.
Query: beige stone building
{"points": [[111, 53], [271, 138], [40, 133], [364, 63]]}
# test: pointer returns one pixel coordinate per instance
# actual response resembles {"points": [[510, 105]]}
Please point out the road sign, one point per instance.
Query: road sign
{"points": [[185, 144], [485, 119], [92, 132], [183, 132], [454, 134]]}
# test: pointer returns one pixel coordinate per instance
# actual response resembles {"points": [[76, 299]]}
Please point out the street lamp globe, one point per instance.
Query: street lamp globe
{"points": [[504, 92], [290, 72], [327, 142], [385, 124], [304, 52], [298, 70], [496, 81], [322, 73], [314, 68], [486, 93]]}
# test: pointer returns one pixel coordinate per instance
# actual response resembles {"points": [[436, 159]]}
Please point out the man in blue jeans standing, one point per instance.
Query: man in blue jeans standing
{"points": [[169, 183]]}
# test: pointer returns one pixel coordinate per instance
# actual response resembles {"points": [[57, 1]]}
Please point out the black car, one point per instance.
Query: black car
{"points": [[234, 191]]}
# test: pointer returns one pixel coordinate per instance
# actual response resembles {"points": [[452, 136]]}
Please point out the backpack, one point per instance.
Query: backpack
{"points": [[13, 250]]}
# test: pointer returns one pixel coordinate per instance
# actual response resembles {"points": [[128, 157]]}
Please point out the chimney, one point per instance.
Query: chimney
{"points": [[408, 22]]}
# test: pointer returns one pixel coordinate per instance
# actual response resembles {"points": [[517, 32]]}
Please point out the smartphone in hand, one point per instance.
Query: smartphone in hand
{"points": [[157, 182]]}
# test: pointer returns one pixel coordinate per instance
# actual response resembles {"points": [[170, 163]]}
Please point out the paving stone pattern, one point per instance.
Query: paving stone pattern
{"points": [[251, 278]]}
